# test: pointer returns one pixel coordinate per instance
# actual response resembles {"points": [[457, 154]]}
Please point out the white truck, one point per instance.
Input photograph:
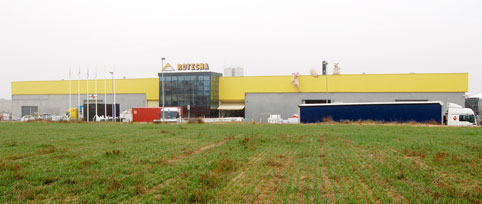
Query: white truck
{"points": [[456, 115], [170, 115]]}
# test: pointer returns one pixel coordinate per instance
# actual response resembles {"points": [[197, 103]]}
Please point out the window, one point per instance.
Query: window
{"points": [[411, 100], [29, 110], [171, 114], [314, 101], [468, 118], [199, 90]]}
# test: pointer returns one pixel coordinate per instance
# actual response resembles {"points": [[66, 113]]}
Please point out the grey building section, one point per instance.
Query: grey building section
{"points": [[475, 104], [58, 104], [260, 105], [5, 106]]}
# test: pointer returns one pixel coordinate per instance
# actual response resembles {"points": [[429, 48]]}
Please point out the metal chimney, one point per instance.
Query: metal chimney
{"points": [[323, 65]]}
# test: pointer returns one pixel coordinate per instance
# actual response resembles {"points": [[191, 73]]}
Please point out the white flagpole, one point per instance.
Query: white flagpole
{"points": [[78, 95], [70, 93], [115, 106], [96, 115], [87, 94], [105, 93]]}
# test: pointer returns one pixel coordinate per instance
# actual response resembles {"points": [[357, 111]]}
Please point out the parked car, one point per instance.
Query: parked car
{"points": [[27, 118], [46, 116], [60, 118]]}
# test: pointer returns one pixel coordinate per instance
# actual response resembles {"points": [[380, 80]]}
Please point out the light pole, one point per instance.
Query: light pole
{"points": [[113, 91], [325, 72], [162, 84]]}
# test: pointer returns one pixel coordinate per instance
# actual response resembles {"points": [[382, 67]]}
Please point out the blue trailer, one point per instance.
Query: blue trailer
{"points": [[377, 111]]}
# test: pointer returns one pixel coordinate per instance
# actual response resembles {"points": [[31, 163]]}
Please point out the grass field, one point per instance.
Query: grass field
{"points": [[239, 163]]}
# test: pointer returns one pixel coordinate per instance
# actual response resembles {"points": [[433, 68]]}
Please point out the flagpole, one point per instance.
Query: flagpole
{"points": [[70, 93], [95, 92], [113, 91], [78, 95], [115, 106], [105, 94], [87, 94]]}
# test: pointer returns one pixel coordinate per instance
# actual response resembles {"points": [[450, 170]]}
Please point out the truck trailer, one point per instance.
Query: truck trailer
{"points": [[422, 112]]}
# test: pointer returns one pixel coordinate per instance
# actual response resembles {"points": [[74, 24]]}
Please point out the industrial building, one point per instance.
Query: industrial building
{"points": [[209, 94]]}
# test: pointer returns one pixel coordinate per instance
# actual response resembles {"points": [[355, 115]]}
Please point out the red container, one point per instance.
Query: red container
{"points": [[146, 114]]}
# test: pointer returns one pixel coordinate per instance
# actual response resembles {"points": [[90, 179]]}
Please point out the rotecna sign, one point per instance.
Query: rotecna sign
{"points": [[192, 67]]}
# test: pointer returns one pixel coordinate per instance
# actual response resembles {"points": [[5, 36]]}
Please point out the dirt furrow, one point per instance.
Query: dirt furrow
{"points": [[238, 183], [441, 179], [284, 183], [247, 167], [183, 156], [327, 188], [353, 179], [311, 172], [389, 190], [301, 189], [231, 188], [202, 149], [444, 175], [272, 185]]}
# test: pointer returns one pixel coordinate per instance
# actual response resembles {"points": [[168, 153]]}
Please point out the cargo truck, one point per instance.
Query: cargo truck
{"points": [[171, 114], [422, 112]]}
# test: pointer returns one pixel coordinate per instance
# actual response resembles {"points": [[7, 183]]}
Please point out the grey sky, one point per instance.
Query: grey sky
{"points": [[40, 40]]}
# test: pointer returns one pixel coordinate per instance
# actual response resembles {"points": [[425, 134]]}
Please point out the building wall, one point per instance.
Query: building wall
{"points": [[260, 105], [148, 86], [5, 106], [235, 88], [58, 104]]}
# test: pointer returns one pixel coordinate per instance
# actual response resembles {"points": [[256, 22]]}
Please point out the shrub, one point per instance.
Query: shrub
{"points": [[327, 119]]}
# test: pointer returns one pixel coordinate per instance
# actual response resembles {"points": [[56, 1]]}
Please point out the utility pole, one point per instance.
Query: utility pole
{"points": [[325, 72]]}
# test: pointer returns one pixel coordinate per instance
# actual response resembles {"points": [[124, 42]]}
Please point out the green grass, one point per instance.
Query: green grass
{"points": [[239, 163]]}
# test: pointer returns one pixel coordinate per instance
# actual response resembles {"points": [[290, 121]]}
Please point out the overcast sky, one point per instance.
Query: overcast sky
{"points": [[41, 40]]}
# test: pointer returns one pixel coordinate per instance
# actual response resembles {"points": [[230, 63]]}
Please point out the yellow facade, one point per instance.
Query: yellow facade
{"points": [[148, 86], [235, 88]]}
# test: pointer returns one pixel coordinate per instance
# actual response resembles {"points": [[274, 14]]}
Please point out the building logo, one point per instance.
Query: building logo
{"points": [[168, 67], [193, 67]]}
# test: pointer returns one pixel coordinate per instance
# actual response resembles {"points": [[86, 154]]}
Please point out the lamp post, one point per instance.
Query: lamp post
{"points": [[162, 84], [113, 105], [325, 72]]}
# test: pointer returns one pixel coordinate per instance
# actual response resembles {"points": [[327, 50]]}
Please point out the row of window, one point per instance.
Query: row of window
{"points": [[188, 78], [197, 91]]}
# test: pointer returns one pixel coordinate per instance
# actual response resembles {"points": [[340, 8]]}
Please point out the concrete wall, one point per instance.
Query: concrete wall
{"points": [[5, 106], [58, 104], [260, 105]]}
